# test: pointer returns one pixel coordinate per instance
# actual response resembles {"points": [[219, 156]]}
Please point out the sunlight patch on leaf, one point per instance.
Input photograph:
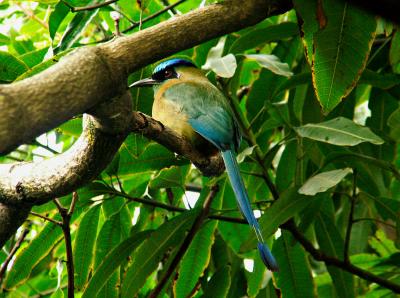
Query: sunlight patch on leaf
{"points": [[271, 62]]}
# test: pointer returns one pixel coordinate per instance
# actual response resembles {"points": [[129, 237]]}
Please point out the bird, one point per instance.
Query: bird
{"points": [[189, 104]]}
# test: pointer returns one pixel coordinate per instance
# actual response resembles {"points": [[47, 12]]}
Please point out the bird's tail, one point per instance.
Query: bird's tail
{"points": [[242, 199]]}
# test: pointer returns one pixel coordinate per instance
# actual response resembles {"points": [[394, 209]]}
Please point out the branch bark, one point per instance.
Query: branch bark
{"points": [[93, 80], [23, 185], [91, 75]]}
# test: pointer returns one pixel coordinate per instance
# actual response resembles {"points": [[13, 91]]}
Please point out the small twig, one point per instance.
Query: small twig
{"points": [[12, 253], [133, 26], [193, 188], [48, 292], [30, 14], [350, 220], [45, 147], [59, 223], [89, 7], [166, 3], [376, 220], [186, 242], [66, 215]]}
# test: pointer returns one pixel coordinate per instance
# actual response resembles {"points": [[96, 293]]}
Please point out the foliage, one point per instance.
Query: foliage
{"points": [[317, 93]]}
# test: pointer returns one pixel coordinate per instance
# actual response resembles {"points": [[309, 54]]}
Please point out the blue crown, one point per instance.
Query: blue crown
{"points": [[172, 63]]}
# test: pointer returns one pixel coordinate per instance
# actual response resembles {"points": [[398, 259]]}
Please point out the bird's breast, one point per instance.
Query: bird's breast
{"points": [[171, 114]]}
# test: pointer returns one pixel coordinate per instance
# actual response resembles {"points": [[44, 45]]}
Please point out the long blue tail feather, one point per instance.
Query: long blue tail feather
{"points": [[243, 201]]}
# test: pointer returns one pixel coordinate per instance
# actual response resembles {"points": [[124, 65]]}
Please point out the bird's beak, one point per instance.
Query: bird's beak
{"points": [[144, 83]]}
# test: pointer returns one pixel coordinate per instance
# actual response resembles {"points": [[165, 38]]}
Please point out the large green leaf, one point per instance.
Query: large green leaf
{"points": [[10, 67], [341, 49], [111, 262], [255, 279], [198, 255], [294, 278], [394, 54], [331, 243], [84, 246], [323, 181], [75, 29], [56, 17], [338, 131], [146, 259], [30, 256], [108, 239], [219, 284]]}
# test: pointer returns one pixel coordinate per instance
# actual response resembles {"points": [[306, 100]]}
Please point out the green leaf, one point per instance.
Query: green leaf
{"points": [[111, 262], [146, 259], [198, 255], [10, 67], [394, 53], [219, 284], [272, 63], [4, 40], [394, 124], [108, 239], [262, 36], [33, 58], [42, 66], [84, 246], [75, 29], [31, 255], [56, 17], [170, 177], [294, 278], [256, 278], [379, 80], [339, 131], [289, 204], [331, 243], [341, 49], [306, 11], [223, 66], [196, 260], [323, 181]]}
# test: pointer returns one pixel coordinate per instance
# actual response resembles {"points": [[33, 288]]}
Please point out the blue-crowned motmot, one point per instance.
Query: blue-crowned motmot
{"points": [[188, 103]]}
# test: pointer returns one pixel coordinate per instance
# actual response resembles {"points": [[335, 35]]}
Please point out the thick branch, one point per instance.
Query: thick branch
{"points": [[92, 75], [23, 185]]}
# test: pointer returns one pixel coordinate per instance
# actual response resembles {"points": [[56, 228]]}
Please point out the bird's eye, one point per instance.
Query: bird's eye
{"points": [[168, 73]]}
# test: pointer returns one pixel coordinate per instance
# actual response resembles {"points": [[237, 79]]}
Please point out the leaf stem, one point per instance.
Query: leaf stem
{"points": [[89, 7]]}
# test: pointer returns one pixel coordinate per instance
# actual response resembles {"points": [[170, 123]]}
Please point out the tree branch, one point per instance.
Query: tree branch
{"points": [[91, 75], [23, 185]]}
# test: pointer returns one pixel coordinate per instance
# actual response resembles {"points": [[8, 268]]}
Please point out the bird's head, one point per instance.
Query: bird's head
{"points": [[171, 69]]}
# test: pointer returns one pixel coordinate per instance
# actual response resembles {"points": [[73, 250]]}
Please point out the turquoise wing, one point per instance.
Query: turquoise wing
{"points": [[207, 111]]}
